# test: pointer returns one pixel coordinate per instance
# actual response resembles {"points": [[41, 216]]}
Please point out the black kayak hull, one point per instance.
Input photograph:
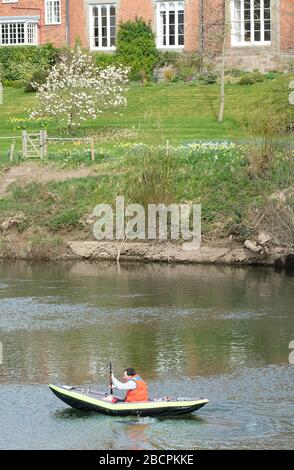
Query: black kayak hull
{"points": [[83, 400]]}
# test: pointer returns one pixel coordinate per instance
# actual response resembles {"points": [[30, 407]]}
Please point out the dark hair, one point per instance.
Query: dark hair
{"points": [[130, 371]]}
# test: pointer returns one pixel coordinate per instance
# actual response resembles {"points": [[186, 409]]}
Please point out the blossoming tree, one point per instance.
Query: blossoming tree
{"points": [[77, 90]]}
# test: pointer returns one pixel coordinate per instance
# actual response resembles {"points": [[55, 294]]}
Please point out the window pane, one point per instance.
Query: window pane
{"points": [[53, 11], [172, 18], [247, 36], [104, 19], [181, 40], [163, 27], [267, 35], [247, 14], [267, 3], [247, 26], [171, 23], [14, 33], [21, 38], [267, 14]]}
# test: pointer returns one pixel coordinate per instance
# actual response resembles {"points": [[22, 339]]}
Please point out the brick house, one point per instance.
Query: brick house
{"points": [[260, 32]]}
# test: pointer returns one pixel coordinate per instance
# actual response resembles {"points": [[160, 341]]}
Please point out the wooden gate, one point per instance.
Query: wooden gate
{"points": [[34, 145]]}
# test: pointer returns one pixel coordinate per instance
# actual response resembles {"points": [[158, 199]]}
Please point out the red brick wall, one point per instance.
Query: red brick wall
{"points": [[78, 22], [192, 25], [55, 34], [130, 9], [287, 25]]}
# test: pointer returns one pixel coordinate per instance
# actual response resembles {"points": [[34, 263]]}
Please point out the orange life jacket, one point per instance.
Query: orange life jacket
{"points": [[140, 393]]}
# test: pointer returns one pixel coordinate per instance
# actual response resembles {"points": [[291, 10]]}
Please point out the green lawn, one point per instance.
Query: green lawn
{"points": [[177, 112], [233, 198]]}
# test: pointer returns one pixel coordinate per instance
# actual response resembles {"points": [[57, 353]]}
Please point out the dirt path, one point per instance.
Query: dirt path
{"points": [[29, 172]]}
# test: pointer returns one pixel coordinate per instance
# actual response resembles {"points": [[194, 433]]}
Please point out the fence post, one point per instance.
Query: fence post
{"points": [[24, 143], [11, 152], [92, 150], [43, 144], [1, 93], [167, 148]]}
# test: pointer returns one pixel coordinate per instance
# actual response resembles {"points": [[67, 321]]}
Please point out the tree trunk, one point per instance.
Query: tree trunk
{"points": [[222, 86]]}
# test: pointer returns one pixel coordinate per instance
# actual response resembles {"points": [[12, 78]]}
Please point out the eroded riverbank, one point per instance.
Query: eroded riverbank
{"points": [[219, 252]]}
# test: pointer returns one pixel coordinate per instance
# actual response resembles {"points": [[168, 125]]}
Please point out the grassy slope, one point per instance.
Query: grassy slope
{"points": [[175, 112]]}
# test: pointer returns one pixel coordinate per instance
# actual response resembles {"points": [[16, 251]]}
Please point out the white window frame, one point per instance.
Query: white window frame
{"points": [[241, 42], [91, 29], [179, 5], [27, 32], [47, 19]]}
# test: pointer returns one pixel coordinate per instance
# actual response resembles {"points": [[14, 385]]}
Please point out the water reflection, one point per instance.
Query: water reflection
{"points": [[201, 331]]}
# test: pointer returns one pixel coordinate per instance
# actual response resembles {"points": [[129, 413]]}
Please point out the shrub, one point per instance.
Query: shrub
{"points": [[251, 78], [273, 74], [167, 58], [169, 74], [154, 180], [185, 65], [38, 78], [103, 59], [14, 84], [21, 62], [263, 132], [233, 72], [207, 76], [278, 219], [65, 220], [136, 47]]}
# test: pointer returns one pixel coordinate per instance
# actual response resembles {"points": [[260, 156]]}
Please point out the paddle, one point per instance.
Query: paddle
{"points": [[110, 378]]}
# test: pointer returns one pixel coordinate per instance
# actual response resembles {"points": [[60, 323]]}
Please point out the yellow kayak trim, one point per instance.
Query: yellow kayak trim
{"points": [[127, 406]]}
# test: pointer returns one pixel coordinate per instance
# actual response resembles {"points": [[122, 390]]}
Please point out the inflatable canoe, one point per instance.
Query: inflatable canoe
{"points": [[88, 400]]}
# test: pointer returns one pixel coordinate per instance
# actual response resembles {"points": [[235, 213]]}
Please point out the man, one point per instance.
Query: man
{"points": [[136, 388]]}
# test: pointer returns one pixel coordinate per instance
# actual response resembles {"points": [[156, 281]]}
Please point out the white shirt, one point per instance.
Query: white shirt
{"points": [[129, 385]]}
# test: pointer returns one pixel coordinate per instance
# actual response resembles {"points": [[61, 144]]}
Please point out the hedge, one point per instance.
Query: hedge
{"points": [[136, 47], [21, 62]]}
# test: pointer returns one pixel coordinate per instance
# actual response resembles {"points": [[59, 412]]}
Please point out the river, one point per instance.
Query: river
{"points": [[222, 333]]}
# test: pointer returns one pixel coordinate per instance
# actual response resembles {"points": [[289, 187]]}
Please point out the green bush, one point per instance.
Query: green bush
{"points": [[233, 72], [105, 60], [251, 77], [167, 58], [21, 62], [14, 84], [136, 47], [38, 78], [186, 66], [273, 74], [65, 220], [207, 76]]}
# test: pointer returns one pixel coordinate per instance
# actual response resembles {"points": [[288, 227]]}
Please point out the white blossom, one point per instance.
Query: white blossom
{"points": [[77, 90]]}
